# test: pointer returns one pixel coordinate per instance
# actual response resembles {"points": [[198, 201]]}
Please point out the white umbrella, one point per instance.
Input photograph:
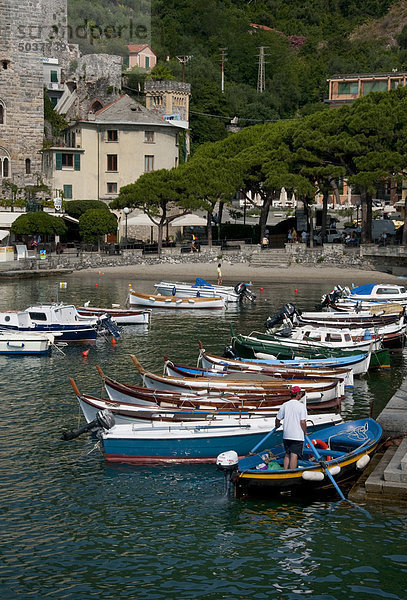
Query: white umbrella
{"points": [[189, 220], [141, 219]]}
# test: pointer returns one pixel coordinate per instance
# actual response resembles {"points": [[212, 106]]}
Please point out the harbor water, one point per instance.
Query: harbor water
{"points": [[74, 527]]}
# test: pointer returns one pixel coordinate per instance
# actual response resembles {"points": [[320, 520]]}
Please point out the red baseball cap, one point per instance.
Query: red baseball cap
{"points": [[295, 389]]}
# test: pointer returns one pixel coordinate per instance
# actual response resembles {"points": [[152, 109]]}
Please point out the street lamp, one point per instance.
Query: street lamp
{"points": [[357, 212], [126, 212]]}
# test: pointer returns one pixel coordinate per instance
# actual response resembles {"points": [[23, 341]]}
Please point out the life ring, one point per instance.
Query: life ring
{"points": [[322, 446]]}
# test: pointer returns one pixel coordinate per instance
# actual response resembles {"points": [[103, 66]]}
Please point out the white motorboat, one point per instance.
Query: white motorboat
{"points": [[173, 302], [203, 289], [365, 296], [57, 318]]}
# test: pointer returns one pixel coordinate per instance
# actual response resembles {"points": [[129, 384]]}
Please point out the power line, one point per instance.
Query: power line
{"points": [[195, 112]]}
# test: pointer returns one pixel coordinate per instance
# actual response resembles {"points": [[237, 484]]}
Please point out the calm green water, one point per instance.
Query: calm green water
{"points": [[74, 527]]}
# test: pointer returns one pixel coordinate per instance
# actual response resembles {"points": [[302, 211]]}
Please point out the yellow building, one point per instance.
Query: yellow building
{"points": [[110, 149]]}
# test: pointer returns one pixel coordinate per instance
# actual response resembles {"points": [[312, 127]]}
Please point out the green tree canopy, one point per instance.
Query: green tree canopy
{"points": [[38, 223], [157, 194], [95, 223], [76, 208]]}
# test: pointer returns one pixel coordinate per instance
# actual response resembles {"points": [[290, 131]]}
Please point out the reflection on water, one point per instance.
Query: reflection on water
{"points": [[75, 527]]}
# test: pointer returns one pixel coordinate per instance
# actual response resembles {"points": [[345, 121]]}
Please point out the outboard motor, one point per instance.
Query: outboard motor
{"points": [[244, 291], [287, 312], [228, 463], [104, 420], [229, 352]]}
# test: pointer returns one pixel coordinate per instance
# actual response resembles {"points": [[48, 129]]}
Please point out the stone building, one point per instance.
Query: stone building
{"points": [[109, 149]]}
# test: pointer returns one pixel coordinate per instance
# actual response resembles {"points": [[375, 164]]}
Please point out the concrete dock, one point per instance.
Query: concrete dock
{"points": [[386, 478]]}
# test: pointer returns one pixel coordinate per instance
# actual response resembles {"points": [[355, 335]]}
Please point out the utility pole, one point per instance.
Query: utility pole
{"points": [[261, 76], [183, 59], [224, 59]]}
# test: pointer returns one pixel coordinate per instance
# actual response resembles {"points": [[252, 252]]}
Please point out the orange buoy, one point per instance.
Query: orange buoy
{"points": [[114, 341], [295, 290], [85, 352], [261, 289], [96, 284]]}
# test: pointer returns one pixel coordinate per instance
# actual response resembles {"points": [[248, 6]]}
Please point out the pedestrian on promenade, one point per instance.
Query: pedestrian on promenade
{"points": [[219, 271]]}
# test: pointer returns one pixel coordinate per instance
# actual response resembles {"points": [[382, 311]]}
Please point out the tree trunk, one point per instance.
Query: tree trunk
{"points": [[405, 223], [325, 196], [366, 235], [334, 186], [209, 228], [220, 215], [160, 236], [369, 218], [267, 199], [311, 227]]}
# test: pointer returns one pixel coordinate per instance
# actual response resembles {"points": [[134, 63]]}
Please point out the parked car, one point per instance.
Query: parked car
{"points": [[332, 236]]}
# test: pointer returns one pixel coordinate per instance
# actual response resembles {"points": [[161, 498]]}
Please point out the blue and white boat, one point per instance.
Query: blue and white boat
{"points": [[62, 320], [359, 363], [204, 289], [186, 442], [366, 296]]}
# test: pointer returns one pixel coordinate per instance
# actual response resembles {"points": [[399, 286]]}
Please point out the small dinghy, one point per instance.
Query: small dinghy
{"points": [[173, 302], [345, 450]]}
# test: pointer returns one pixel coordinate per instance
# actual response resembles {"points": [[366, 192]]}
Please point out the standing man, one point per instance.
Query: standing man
{"points": [[293, 413], [219, 271]]}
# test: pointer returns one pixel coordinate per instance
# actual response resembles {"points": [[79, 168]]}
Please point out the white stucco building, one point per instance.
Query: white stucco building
{"points": [[110, 149]]}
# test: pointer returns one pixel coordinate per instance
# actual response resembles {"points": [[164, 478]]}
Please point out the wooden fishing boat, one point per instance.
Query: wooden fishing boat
{"points": [[194, 442], [359, 363], [121, 316], [208, 400], [329, 390], [346, 449], [129, 412], [204, 289], [174, 303], [263, 374], [256, 347], [25, 343]]}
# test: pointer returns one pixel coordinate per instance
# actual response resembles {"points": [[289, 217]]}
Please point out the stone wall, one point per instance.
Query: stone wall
{"points": [[21, 87]]}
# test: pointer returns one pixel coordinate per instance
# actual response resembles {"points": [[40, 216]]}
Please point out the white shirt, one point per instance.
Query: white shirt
{"points": [[291, 413]]}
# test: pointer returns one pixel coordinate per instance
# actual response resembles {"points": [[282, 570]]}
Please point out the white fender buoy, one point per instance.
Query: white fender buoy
{"points": [[152, 299], [178, 301], [335, 470], [363, 461], [191, 301], [312, 475]]}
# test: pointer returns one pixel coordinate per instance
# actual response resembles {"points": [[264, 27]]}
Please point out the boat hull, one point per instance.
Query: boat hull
{"points": [[188, 443], [348, 450], [174, 303]]}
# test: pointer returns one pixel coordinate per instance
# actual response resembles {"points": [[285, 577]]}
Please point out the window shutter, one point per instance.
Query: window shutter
{"points": [[58, 161], [77, 162]]}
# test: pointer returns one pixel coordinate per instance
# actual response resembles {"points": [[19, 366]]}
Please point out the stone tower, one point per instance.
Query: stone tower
{"points": [[28, 32], [168, 99]]}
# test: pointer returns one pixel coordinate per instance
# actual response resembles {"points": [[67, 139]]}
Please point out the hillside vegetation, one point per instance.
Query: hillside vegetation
{"points": [[307, 43]]}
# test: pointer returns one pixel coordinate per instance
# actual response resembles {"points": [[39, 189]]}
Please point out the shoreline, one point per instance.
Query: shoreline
{"points": [[242, 271]]}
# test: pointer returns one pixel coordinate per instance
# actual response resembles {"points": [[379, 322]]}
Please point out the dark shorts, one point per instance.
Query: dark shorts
{"points": [[293, 447]]}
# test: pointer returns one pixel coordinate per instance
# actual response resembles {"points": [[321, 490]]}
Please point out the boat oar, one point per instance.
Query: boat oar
{"points": [[329, 474], [270, 433]]}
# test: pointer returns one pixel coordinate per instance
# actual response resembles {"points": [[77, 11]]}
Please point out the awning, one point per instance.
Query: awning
{"points": [[141, 219], [8, 218], [189, 221], [3, 234]]}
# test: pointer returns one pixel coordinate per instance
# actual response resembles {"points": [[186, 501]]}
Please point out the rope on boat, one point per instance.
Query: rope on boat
{"points": [[97, 445]]}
